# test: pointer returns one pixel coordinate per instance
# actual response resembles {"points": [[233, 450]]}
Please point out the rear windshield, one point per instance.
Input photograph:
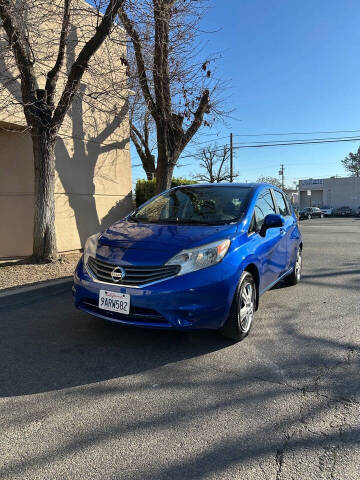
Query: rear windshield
{"points": [[196, 205]]}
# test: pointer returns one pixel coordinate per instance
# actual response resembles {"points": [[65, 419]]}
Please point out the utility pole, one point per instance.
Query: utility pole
{"points": [[231, 158], [281, 172]]}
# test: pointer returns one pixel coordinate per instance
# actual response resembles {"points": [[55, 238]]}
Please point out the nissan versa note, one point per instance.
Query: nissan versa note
{"points": [[194, 257]]}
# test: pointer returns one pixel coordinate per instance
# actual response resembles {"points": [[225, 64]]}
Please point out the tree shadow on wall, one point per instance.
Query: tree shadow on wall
{"points": [[77, 168]]}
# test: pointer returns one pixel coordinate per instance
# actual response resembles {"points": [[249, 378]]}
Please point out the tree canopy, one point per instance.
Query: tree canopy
{"points": [[351, 163]]}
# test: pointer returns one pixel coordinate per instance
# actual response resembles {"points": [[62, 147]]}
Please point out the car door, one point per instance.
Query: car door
{"points": [[286, 243], [269, 250]]}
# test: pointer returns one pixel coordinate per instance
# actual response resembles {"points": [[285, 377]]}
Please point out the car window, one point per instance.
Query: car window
{"points": [[264, 206], [195, 205], [281, 203]]}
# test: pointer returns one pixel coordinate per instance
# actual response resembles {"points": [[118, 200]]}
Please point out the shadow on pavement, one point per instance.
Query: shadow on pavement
{"points": [[46, 344]]}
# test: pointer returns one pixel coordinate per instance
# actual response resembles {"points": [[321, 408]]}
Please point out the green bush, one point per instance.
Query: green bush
{"points": [[145, 189]]}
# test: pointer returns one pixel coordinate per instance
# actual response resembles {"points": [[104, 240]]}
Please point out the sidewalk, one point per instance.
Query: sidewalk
{"points": [[21, 272]]}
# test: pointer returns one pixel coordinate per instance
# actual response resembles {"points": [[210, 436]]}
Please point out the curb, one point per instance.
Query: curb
{"points": [[30, 288]]}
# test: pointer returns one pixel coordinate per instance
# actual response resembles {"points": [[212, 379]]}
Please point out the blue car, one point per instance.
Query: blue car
{"points": [[194, 257]]}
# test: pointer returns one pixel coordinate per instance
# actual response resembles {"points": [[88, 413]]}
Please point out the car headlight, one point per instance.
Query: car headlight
{"points": [[200, 257], [90, 247]]}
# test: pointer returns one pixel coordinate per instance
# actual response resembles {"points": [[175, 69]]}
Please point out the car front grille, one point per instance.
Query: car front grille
{"points": [[134, 275]]}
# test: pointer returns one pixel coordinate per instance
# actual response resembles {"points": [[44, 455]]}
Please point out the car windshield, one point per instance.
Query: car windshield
{"points": [[211, 205]]}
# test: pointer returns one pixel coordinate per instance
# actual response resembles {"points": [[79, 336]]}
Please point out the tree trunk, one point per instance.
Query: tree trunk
{"points": [[164, 173], [150, 175], [167, 155], [44, 244]]}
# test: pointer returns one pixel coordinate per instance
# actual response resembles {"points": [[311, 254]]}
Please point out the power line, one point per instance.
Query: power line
{"points": [[284, 143], [270, 142], [316, 132], [209, 141], [294, 133], [300, 142]]}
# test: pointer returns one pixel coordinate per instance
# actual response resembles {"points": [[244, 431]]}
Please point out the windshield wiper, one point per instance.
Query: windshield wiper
{"points": [[198, 222], [171, 221]]}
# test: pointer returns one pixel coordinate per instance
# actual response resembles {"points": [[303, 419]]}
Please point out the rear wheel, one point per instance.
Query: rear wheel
{"points": [[240, 319], [295, 276]]}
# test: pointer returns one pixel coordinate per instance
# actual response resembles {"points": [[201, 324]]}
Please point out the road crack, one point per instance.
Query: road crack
{"points": [[323, 422]]}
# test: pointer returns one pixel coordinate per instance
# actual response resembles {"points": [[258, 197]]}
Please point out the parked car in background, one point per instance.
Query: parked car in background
{"points": [[194, 257], [327, 211], [310, 212], [343, 212], [358, 212], [296, 212]]}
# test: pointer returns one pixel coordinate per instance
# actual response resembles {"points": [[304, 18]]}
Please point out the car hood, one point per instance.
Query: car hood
{"points": [[154, 244]]}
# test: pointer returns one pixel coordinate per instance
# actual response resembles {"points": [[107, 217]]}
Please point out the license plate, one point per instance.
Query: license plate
{"points": [[115, 302]]}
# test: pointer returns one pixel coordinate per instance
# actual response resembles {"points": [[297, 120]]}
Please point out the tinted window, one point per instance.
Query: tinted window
{"points": [[264, 206], [281, 203], [198, 205]]}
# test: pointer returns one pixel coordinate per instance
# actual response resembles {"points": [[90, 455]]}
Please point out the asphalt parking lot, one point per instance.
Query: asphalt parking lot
{"points": [[83, 399]]}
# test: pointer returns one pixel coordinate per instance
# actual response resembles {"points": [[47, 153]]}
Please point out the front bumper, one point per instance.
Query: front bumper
{"points": [[198, 300]]}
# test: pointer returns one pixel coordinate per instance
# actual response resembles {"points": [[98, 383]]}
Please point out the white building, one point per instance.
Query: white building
{"points": [[331, 192]]}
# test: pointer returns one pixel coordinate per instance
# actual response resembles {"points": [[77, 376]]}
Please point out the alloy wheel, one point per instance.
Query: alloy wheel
{"points": [[298, 265], [246, 307]]}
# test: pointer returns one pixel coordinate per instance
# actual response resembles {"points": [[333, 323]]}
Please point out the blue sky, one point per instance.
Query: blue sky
{"points": [[293, 67]]}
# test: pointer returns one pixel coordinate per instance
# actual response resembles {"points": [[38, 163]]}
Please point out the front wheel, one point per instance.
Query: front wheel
{"points": [[295, 276], [322, 215], [309, 217], [240, 319]]}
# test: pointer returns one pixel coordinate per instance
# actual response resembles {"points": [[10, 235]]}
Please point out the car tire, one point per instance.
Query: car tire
{"points": [[309, 217], [295, 276], [241, 315], [322, 215]]}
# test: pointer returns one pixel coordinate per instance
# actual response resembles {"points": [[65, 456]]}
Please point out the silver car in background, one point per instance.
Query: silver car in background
{"points": [[327, 211]]}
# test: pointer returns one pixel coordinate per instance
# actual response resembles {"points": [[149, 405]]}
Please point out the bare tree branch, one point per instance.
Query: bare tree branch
{"points": [[81, 63], [53, 74], [31, 31], [168, 74], [21, 51], [142, 148], [142, 76], [198, 118], [162, 14], [214, 162]]}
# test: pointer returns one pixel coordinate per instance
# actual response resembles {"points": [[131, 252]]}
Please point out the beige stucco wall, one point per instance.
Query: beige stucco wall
{"points": [[16, 193], [93, 170], [93, 189]]}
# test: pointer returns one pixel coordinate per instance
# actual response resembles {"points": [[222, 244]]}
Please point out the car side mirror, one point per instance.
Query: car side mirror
{"points": [[271, 221]]}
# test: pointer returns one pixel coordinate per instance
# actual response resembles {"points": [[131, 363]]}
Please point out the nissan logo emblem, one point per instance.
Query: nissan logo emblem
{"points": [[118, 274]]}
